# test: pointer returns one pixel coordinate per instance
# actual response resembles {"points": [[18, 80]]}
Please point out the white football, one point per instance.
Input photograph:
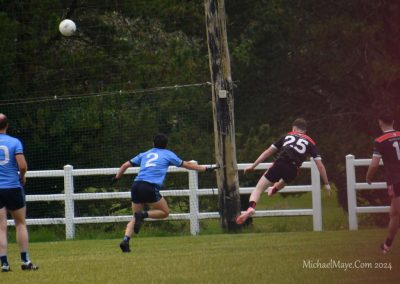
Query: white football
{"points": [[67, 27]]}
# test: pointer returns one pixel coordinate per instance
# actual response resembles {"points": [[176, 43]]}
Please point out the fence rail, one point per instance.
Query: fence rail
{"points": [[353, 186], [193, 192]]}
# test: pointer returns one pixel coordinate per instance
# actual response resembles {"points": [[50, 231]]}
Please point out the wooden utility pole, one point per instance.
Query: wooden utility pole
{"points": [[222, 101]]}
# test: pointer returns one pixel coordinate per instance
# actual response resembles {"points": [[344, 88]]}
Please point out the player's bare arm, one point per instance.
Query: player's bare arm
{"points": [[373, 167], [324, 175], [195, 167], [264, 155], [22, 167], [122, 169]]}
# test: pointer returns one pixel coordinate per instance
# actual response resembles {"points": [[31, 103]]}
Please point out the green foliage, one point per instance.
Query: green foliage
{"points": [[108, 207], [333, 62]]}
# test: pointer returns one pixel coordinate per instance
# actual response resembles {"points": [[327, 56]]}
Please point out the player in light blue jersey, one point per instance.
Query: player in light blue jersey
{"points": [[13, 167], [153, 164]]}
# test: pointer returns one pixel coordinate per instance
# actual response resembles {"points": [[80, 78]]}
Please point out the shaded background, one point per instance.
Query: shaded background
{"points": [[94, 99]]}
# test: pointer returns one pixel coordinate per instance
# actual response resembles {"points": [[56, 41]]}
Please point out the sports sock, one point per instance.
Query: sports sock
{"points": [[126, 239], [25, 256], [388, 242], [252, 204], [4, 260]]}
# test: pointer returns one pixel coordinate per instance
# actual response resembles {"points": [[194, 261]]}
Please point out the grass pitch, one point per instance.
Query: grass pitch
{"points": [[295, 257]]}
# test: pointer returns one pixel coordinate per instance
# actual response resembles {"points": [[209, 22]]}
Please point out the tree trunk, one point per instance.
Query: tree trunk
{"points": [[222, 101]]}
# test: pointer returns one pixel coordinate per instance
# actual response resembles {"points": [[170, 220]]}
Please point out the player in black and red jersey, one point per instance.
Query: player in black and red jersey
{"points": [[295, 147], [387, 148]]}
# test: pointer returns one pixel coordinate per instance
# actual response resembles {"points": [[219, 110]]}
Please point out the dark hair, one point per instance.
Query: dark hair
{"points": [[386, 117], [300, 123], [160, 141], [3, 121]]}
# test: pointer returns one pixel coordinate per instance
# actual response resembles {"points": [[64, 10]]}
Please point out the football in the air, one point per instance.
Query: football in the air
{"points": [[67, 27]]}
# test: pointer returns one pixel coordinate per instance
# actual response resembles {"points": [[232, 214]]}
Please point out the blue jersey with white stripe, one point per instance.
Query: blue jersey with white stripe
{"points": [[9, 147], [154, 165]]}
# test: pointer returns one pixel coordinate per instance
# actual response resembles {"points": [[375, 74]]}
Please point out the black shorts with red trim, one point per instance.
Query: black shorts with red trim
{"points": [[394, 190], [145, 192], [282, 169], [12, 198]]}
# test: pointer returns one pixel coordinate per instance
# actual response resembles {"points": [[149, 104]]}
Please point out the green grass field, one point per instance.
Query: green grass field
{"points": [[271, 250], [220, 258]]}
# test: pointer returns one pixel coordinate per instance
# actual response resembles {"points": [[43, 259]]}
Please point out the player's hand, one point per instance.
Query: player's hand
{"points": [[212, 168], [113, 180], [328, 189], [248, 169], [369, 181]]}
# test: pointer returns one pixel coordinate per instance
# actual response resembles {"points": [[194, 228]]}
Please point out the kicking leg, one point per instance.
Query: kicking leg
{"points": [[261, 186]]}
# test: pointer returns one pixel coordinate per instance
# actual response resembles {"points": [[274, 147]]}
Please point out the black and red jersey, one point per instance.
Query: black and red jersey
{"points": [[387, 146], [296, 147]]}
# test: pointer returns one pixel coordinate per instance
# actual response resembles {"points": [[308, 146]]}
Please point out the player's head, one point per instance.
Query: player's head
{"points": [[3, 122], [385, 118], [160, 141], [300, 125]]}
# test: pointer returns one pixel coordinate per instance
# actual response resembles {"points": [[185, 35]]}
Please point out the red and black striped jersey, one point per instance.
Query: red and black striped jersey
{"points": [[387, 146], [296, 147]]}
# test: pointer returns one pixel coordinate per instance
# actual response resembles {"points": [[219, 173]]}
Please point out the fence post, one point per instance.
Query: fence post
{"points": [[194, 201], [351, 192], [316, 197], [69, 202]]}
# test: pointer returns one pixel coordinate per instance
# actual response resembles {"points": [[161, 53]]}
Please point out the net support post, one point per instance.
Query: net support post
{"points": [[316, 197], [351, 192], [194, 202], [69, 202]]}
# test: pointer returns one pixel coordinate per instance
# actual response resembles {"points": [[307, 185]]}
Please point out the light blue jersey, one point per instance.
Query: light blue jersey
{"points": [[9, 147], [154, 165]]}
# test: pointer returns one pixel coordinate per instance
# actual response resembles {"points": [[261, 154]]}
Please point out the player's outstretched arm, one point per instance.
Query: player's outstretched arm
{"points": [[324, 176], [200, 168], [264, 155], [121, 172], [373, 167]]}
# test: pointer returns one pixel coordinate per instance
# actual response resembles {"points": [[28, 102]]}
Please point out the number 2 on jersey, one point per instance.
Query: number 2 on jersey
{"points": [[152, 157]]}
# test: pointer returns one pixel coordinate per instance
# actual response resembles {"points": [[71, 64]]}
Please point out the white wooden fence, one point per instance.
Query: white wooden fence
{"points": [[353, 186], [193, 192]]}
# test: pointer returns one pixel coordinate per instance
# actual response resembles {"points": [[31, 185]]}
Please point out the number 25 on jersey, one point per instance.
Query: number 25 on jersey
{"points": [[300, 145]]}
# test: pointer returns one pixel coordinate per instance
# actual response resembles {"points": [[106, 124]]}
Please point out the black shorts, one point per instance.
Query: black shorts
{"points": [[12, 198], [281, 169], [394, 190], [145, 192]]}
